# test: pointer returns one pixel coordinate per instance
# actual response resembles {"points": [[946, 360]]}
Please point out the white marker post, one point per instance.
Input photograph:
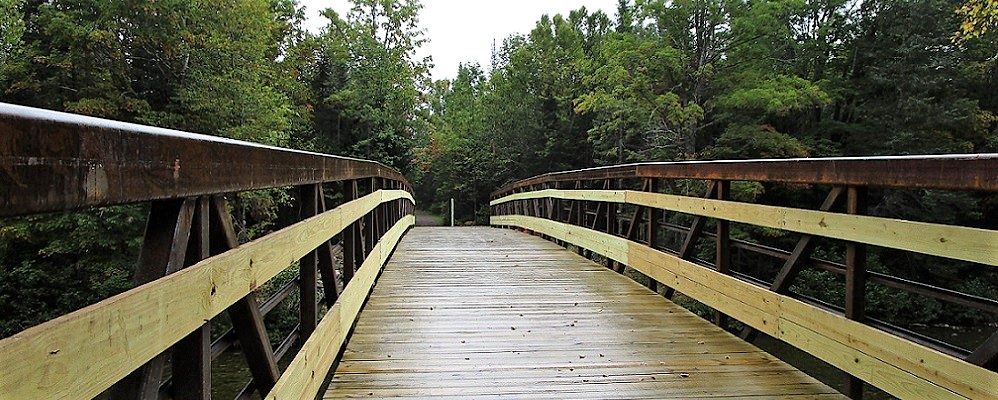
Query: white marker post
{"points": [[452, 211]]}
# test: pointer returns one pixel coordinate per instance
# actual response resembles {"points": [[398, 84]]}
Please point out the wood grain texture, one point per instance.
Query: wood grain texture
{"points": [[82, 353], [482, 313], [304, 376], [957, 242], [900, 367]]}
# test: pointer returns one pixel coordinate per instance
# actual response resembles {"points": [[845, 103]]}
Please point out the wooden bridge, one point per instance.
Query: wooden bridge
{"points": [[568, 294]]}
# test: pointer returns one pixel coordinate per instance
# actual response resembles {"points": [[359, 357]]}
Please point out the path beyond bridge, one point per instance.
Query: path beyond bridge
{"points": [[484, 313]]}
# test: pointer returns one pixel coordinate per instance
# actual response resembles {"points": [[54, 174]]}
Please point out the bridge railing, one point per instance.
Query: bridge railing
{"points": [[192, 268], [630, 216]]}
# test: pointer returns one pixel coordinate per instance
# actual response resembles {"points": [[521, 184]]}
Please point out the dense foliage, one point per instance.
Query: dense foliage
{"points": [[234, 68], [738, 79], [659, 80], [677, 80]]}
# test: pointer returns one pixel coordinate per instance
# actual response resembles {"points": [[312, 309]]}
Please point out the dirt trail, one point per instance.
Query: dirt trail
{"points": [[425, 218]]}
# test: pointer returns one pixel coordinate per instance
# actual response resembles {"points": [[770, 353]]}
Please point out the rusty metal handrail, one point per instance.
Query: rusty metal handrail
{"points": [[955, 172], [54, 161]]}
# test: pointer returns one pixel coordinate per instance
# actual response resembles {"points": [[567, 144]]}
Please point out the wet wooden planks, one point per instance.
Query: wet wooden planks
{"points": [[484, 313]]}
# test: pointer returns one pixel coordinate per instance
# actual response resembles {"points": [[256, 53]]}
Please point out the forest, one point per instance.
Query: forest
{"points": [[659, 80]]}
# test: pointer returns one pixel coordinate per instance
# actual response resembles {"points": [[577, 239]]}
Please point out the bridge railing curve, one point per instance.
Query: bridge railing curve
{"points": [[626, 215], [192, 267]]}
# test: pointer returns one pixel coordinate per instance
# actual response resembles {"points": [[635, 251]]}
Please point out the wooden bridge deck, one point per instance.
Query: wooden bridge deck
{"points": [[484, 313]]}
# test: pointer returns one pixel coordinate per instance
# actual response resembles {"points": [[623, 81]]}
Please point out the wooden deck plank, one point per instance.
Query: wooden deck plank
{"points": [[485, 313]]}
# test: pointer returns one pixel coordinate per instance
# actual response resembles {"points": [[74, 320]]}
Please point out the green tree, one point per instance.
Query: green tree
{"points": [[196, 65], [979, 16], [367, 83]]}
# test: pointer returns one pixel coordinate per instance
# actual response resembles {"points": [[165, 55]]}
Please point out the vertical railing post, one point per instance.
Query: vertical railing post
{"points": [[380, 213], [308, 267], [550, 205], [398, 205], [577, 220], [535, 208], [386, 211], [543, 203], [371, 223], [191, 366], [390, 208], [651, 233], [350, 237], [360, 244], [612, 222], [723, 247], [559, 211], [515, 205], [855, 307]]}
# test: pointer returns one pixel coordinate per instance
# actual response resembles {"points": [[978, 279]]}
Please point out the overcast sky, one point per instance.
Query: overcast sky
{"points": [[462, 31]]}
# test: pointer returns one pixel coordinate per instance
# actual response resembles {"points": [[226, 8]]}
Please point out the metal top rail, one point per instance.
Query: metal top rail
{"points": [[954, 172], [53, 161]]}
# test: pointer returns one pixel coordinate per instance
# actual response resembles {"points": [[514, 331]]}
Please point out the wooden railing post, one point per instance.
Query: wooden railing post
{"points": [[351, 239], [397, 210], [377, 220], [654, 217], [723, 246], [855, 307], [384, 212], [537, 206], [579, 216], [308, 267], [613, 223], [552, 203], [191, 356], [370, 223], [520, 207]]}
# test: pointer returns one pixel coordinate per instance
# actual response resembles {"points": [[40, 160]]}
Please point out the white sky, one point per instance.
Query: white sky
{"points": [[463, 31]]}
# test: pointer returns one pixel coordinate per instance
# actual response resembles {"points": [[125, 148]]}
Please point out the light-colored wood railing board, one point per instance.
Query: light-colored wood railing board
{"points": [[80, 354], [957, 242], [613, 196], [716, 290], [887, 377], [768, 313], [900, 367], [945, 370], [304, 376]]}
